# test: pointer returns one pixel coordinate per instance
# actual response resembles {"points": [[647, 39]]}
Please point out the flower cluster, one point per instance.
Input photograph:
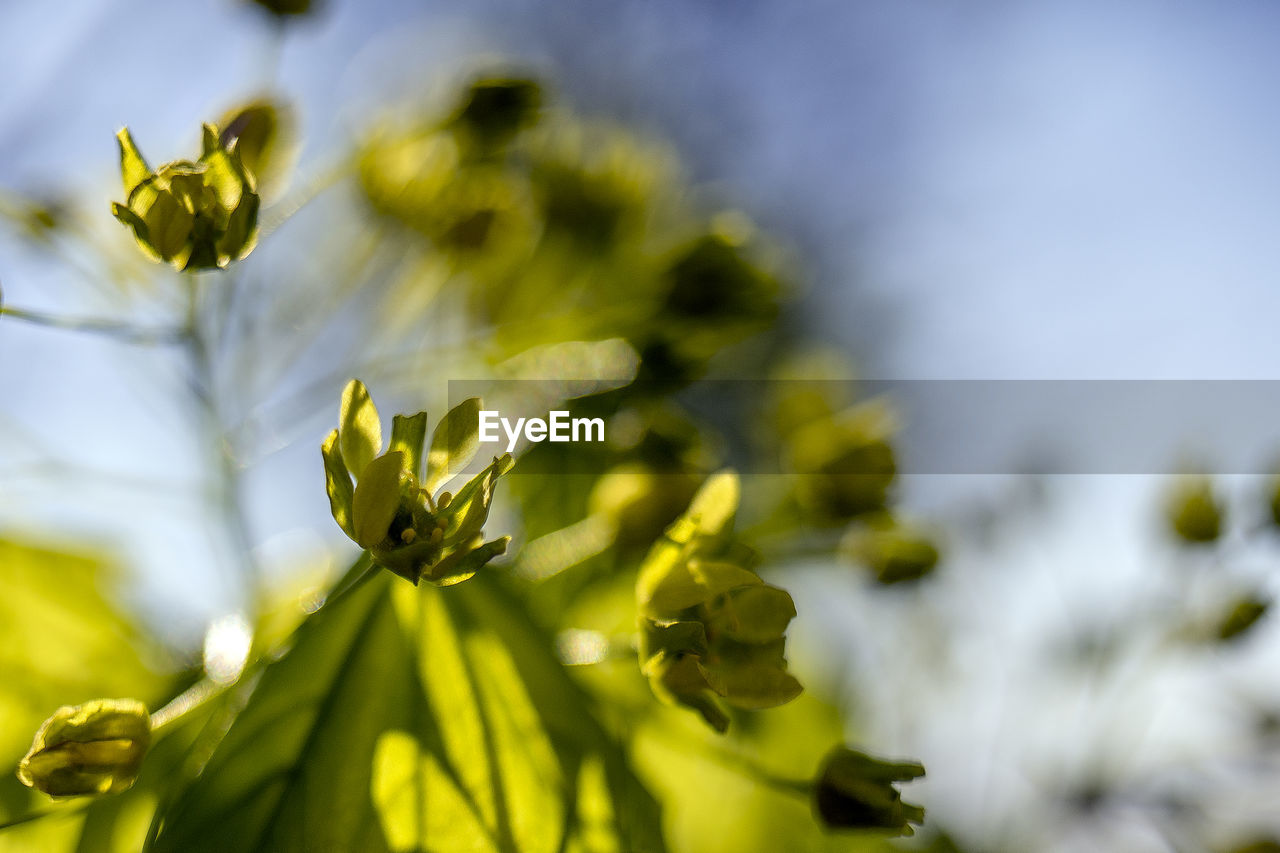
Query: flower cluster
{"points": [[710, 628], [392, 510]]}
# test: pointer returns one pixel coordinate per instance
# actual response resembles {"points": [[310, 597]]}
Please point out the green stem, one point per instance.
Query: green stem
{"points": [[230, 487], [185, 702], [116, 330], [802, 788]]}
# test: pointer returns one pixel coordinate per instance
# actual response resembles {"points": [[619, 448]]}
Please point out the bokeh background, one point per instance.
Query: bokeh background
{"points": [[984, 191]]}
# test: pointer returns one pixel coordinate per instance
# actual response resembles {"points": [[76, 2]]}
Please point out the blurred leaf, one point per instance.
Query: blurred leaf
{"points": [[406, 719], [61, 641]]}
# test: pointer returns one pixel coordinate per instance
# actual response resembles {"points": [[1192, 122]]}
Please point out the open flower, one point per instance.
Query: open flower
{"points": [[710, 628], [192, 215], [392, 510], [94, 748]]}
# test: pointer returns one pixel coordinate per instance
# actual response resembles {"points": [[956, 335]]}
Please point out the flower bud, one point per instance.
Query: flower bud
{"points": [[495, 108], [846, 462], [1194, 512], [94, 748], [285, 8], [855, 791], [896, 553], [191, 215]]}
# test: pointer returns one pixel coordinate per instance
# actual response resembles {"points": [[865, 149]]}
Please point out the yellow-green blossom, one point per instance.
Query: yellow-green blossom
{"points": [[191, 215], [392, 509], [710, 628]]}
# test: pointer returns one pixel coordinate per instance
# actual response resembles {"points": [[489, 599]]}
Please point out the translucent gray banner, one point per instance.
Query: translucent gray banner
{"points": [[940, 426]]}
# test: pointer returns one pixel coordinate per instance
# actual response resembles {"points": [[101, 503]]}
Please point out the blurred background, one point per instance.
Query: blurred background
{"points": [[989, 191]]}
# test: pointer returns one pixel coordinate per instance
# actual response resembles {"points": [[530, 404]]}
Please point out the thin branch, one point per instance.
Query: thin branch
{"points": [[114, 329], [230, 486]]}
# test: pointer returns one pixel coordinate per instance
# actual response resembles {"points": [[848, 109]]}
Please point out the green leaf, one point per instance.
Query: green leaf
{"points": [[133, 168], [359, 429], [453, 444], [376, 499], [408, 434], [406, 719], [62, 641], [338, 484], [294, 771]]}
